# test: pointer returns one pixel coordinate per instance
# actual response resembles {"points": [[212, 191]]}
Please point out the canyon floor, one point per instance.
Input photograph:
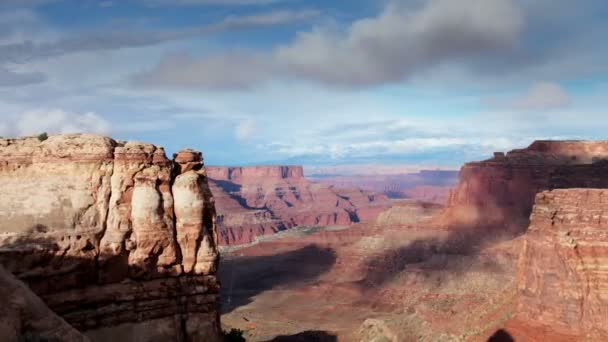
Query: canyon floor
{"points": [[370, 282]]}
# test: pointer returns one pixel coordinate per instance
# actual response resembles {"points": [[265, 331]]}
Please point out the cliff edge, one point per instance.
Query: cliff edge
{"points": [[114, 237]]}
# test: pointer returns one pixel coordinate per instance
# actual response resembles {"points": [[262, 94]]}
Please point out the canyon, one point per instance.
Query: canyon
{"points": [[110, 240], [261, 200], [517, 254], [424, 185], [115, 238]]}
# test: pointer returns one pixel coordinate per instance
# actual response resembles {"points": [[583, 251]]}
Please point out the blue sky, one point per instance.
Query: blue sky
{"points": [[416, 82]]}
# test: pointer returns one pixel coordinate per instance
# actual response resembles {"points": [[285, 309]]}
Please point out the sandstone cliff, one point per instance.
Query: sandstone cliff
{"points": [[499, 192], [261, 200], [117, 239], [562, 280], [25, 317]]}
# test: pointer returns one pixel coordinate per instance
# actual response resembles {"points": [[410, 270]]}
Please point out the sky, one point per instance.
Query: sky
{"points": [[433, 83]]}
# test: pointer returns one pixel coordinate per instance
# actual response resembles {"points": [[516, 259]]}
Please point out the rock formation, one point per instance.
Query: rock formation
{"points": [[117, 239], [25, 317], [562, 280], [262, 200], [499, 192]]}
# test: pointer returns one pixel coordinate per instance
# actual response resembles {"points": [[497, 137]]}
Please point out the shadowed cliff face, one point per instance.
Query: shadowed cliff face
{"points": [[25, 317], [261, 200], [110, 233], [244, 277], [307, 336], [499, 192]]}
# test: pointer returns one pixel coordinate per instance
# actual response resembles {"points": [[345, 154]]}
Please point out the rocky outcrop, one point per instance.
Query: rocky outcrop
{"points": [[563, 279], [499, 192], [25, 317], [261, 200], [117, 239]]}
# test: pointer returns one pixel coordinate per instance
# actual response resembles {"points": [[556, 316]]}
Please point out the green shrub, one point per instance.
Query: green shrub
{"points": [[43, 136]]}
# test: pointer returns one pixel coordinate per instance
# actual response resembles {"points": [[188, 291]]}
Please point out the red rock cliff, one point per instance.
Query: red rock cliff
{"points": [[261, 200], [499, 192], [563, 277], [117, 239]]}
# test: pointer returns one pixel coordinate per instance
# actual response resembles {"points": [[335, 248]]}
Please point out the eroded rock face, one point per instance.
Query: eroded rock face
{"points": [[500, 192], [117, 239], [562, 280], [25, 317], [261, 200]]}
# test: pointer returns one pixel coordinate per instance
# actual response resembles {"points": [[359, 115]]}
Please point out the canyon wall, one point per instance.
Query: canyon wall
{"points": [[116, 239], [426, 185], [261, 200], [500, 192], [563, 274]]}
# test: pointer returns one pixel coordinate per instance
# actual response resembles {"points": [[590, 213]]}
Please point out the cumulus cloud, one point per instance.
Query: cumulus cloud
{"points": [[245, 129], [56, 121], [400, 41], [543, 96], [390, 47]]}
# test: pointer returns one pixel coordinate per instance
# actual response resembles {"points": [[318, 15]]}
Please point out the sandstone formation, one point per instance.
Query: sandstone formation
{"points": [[24, 316], [117, 239], [260, 200], [563, 277], [499, 192]]}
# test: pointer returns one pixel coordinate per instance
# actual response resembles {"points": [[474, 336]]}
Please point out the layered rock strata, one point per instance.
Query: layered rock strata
{"points": [[117, 239], [563, 274], [500, 192], [24, 316], [261, 200]]}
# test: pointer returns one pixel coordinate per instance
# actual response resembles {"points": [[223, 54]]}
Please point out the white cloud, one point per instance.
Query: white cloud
{"points": [[245, 130], [390, 47], [107, 40], [402, 41], [543, 96], [57, 121]]}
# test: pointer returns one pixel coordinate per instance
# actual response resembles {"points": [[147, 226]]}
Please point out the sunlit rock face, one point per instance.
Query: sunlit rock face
{"points": [[117, 239], [563, 272], [500, 192], [261, 200]]}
